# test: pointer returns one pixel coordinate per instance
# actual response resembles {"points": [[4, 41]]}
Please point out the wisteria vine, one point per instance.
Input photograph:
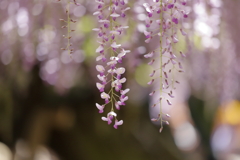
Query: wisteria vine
{"points": [[110, 14], [67, 26], [164, 19]]}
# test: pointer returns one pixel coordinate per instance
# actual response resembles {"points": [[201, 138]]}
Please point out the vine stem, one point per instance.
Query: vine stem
{"points": [[160, 56], [112, 78], [172, 45], [68, 20]]}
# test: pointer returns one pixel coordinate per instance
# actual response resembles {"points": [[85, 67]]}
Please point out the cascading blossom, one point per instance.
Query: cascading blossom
{"points": [[68, 21], [110, 14], [164, 19]]}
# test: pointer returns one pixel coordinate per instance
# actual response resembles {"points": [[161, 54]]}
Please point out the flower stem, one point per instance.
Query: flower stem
{"points": [[112, 78], [161, 62], [68, 21]]}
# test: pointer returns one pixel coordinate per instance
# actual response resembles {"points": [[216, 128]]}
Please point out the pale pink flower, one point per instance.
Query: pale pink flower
{"points": [[117, 123], [167, 17], [112, 54], [100, 107]]}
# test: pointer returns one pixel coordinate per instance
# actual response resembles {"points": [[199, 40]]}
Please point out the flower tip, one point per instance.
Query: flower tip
{"points": [[154, 119], [168, 115], [160, 130], [167, 122], [104, 119]]}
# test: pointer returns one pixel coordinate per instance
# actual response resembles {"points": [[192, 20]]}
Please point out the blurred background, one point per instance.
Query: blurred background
{"points": [[47, 99]]}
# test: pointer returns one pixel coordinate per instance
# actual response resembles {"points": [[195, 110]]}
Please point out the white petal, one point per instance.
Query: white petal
{"points": [[124, 99], [126, 9], [96, 29], [123, 27], [148, 40], [147, 7], [115, 15], [120, 70], [100, 68], [120, 55], [99, 58], [146, 33], [104, 95], [111, 71], [100, 48], [112, 58], [99, 106], [99, 86], [104, 21], [123, 80], [118, 123], [96, 13], [99, 1], [100, 42], [175, 40], [115, 32], [113, 84], [123, 92], [115, 45], [101, 78], [149, 55], [104, 119], [112, 63], [127, 51], [112, 113]]}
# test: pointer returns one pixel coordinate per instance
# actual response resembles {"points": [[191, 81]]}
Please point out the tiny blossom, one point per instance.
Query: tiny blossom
{"points": [[120, 70], [148, 34], [109, 117], [100, 107], [100, 69], [114, 15], [150, 82], [100, 87], [183, 55], [164, 19], [169, 103], [160, 130], [115, 45], [170, 95], [154, 119], [152, 74], [151, 93], [100, 49], [123, 80], [149, 55], [148, 40], [183, 32], [123, 92], [111, 15], [151, 62], [168, 115], [117, 106], [117, 123]]}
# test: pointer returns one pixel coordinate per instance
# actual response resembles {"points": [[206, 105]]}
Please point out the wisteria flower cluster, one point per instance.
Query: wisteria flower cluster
{"points": [[67, 26], [110, 14], [164, 20]]}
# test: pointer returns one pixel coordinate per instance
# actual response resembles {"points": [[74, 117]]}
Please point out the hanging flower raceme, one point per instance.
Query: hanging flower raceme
{"points": [[111, 14], [67, 22], [164, 20]]}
